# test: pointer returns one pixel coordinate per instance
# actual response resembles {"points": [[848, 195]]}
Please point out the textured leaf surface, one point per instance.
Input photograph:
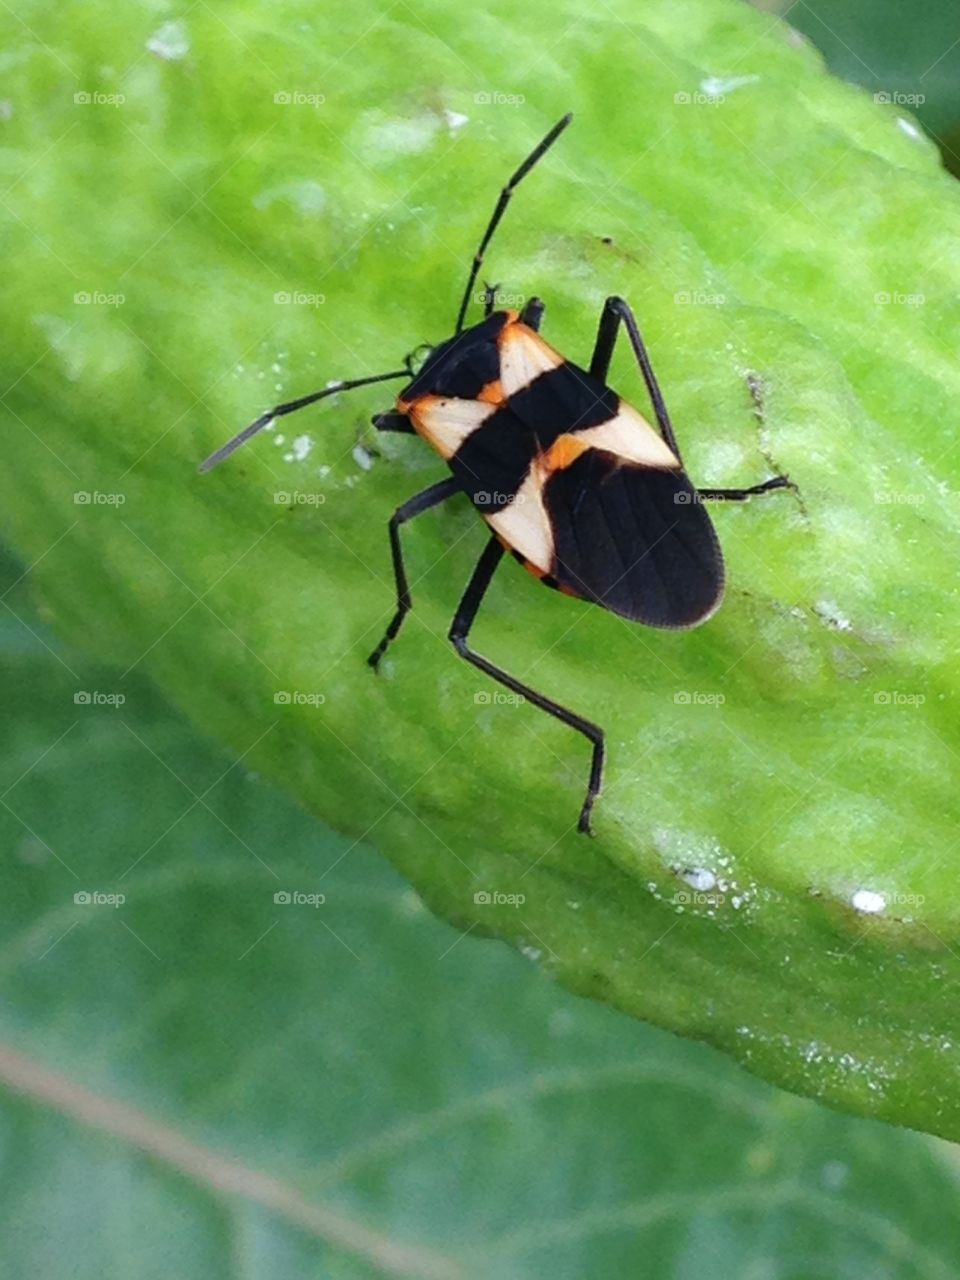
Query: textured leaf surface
{"points": [[797, 755], [228, 1085]]}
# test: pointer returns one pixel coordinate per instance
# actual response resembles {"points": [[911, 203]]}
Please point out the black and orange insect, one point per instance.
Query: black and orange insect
{"points": [[571, 479]]}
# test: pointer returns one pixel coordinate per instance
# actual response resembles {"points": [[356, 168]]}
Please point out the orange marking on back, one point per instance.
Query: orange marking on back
{"points": [[492, 393], [563, 453]]}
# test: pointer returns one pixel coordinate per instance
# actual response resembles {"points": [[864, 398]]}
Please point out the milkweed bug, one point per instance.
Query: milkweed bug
{"points": [[571, 479]]}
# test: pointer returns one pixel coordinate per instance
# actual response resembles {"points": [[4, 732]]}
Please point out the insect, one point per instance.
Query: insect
{"points": [[569, 477]]}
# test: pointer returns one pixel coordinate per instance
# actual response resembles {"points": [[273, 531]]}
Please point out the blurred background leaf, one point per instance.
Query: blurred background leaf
{"points": [[908, 52], [203, 1082]]}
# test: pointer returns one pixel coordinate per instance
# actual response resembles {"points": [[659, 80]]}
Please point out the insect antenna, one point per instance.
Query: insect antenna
{"points": [[536, 154], [291, 407]]}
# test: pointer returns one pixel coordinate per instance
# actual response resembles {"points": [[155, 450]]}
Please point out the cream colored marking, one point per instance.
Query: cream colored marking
{"points": [[524, 525], [523, 356], [632, 438], [445, 422]]}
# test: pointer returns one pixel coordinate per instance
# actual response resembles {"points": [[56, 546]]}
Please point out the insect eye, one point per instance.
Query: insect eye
{"points": [[419, 356]]}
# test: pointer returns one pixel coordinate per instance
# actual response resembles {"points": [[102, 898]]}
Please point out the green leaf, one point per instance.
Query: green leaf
{"points": [[757, 238], [229, 1084]]}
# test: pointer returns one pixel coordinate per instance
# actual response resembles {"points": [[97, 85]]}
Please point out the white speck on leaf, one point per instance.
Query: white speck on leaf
{"points": [[400, 137], [170, 42], [834, 1174], [700, 878], [909, 129], [301, 447], [362, 457], [867, 902], [830, 613], [718, 86], [304, 196]]}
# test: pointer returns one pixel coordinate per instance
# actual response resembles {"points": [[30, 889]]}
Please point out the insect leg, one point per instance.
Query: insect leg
{"points": [[501, 207], [292, 406], [391, 421], [414, 506], [460, 629], [532, 314], [741, 495], [616, 312]]}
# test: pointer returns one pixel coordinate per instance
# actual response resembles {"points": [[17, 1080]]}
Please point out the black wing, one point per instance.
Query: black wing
{"points": [[634, 539]]}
